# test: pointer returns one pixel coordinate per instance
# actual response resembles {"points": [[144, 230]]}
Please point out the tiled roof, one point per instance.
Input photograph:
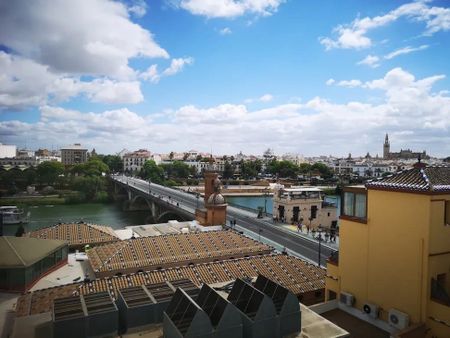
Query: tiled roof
{"points": [[426, 179], [290, 272]]}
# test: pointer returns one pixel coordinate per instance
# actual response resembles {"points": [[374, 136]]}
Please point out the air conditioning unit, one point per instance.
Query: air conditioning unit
{"points": [[371, 309], [347, 298], [398, 319]]}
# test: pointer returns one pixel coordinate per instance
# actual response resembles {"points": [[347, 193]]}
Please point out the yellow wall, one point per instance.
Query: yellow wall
{"points": [[332, 281], [439, 233], [384, 262], [442, 313], [390, 260]]}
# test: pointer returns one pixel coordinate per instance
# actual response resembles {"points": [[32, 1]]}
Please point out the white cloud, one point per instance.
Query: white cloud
{"points": [[151, 74], [56, 43], [405, 50], [330, 82], [225, 31], [177, 66], [370, 60], [349, 83], [230, 8], [24, 82], [266, 98], [318, 126], [93, 37], [353, 35], [138, 8], [263, 98]]}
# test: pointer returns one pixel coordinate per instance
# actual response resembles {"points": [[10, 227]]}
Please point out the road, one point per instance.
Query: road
{"points": [[260, 229]]}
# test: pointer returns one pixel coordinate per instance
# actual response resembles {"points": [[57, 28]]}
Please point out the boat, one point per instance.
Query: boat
{"points": [[11, 214]]}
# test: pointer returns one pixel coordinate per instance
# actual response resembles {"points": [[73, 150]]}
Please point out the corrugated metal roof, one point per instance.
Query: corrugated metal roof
{"points": [[24, 251]]}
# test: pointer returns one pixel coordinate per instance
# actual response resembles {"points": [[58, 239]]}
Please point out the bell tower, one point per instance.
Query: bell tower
{"points": [[386, 148]]}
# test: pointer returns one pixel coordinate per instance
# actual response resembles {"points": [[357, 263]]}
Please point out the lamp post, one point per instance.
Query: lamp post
{"points": [[319, 238], [266, 193]]}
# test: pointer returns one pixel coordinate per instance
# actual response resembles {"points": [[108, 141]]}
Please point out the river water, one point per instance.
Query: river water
{"points": [[104, 214], [112, 214]]}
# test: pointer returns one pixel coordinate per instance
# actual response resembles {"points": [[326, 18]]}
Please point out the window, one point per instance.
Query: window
{"points": [[355, 204]]}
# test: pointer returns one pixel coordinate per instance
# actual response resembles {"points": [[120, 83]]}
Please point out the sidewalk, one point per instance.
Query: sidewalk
{"points": [[303, 233], [293, 230]]}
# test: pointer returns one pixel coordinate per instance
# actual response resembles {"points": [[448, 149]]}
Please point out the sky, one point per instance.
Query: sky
{"points": [[304, 77]]}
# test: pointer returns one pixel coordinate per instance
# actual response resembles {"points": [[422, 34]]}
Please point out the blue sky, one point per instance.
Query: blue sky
{"points": [[306, 77]]}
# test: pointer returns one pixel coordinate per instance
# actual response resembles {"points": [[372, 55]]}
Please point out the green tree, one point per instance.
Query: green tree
{"points": [[93, 167], [89, 186], [171, 155], [325, 171], [153, 172], [114, 162], [49, 171], [228, 170]]}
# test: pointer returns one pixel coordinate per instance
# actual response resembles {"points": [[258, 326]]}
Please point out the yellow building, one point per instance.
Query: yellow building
{"points": [[394, 258]]}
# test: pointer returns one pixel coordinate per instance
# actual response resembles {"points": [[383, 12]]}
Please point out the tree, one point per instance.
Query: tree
{"points": [[228, 170], [89, 185], [49, 171], [185, 156], [93, 167], [114, 162], [171, 155], [153, 172], [325, 171]]}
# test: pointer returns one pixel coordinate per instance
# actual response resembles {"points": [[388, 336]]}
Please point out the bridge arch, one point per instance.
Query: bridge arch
{"points": [[139, 202], [169, 215]]}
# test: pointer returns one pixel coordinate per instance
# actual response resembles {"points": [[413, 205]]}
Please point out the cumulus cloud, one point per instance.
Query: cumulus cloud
{"points": [[371, 61], [85, 37], [318, 126], [176, 65], [51, 45], [25, 82], [349, 83], [230, 8], [330, 82], [266, 98], [353, 35]]}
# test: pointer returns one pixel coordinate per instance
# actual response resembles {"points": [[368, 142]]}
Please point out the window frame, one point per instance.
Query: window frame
{"points": [[355, 191]]}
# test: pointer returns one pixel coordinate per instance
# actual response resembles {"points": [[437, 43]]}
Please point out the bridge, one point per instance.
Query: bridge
{"points": [[166, 204]]}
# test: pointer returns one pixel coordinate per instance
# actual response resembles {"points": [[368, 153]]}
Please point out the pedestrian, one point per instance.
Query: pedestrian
{"points": [[234, 222], [298, 227]]}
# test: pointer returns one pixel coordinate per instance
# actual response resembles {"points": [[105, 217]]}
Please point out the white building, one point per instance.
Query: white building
{"points": [[7, 151], [135, 160]]}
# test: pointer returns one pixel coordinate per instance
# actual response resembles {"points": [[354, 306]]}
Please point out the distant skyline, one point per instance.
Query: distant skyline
{"points": [[306, 77]]}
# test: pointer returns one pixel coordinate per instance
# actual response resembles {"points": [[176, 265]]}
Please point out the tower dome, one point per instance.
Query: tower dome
{"points": [[216, 199]]}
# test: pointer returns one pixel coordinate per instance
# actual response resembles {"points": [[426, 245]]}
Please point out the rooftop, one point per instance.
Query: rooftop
{"points": [[24, 251], [149, 253], [418, 179], [293, 273], [77, 234]]}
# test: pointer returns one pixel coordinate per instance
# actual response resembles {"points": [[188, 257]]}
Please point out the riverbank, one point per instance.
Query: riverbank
{"points": [[33, 200]]}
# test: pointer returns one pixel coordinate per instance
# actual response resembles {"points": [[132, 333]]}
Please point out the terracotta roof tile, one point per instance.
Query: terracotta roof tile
{"points": [[426, 179]]}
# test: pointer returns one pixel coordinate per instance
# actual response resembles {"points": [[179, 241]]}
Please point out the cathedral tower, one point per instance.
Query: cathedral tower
{"points": [[386, 147]]}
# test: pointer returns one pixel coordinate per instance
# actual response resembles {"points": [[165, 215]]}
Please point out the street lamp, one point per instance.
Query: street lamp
{"points": [[266, 193], [319, 238]]}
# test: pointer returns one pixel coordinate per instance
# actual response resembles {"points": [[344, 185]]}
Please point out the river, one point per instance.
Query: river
{"points": [[112, 214], [105, 214]]}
